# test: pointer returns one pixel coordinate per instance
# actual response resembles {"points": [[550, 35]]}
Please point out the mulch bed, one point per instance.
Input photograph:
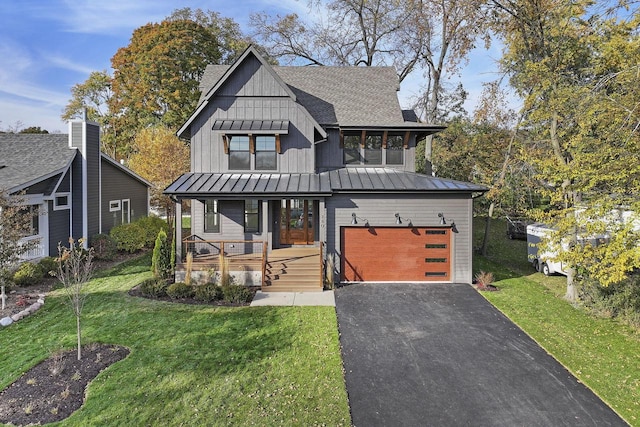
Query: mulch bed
{"points": [[52, 390], [135, 291]]}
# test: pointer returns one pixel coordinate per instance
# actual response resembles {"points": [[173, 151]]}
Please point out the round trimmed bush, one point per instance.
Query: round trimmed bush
{"points": [[208, 292], [236, 293], [27, 274], [104, 247], [129, 237], [151, 226], [154, 288], [180, 290]]}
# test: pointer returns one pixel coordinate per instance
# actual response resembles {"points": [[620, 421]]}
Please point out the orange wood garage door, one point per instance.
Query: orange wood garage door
{"points": [[389, 254]]}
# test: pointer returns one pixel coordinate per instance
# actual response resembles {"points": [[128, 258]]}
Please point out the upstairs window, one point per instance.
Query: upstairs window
{"points": [[239, 155], [266, 152], [395, 150], [373, 148]]}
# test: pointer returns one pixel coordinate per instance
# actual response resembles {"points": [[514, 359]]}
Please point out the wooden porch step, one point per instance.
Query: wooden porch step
{"points": [[293, 270]]}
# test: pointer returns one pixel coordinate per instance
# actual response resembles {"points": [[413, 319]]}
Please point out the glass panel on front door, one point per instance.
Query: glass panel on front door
{"points": [[296, 222]]}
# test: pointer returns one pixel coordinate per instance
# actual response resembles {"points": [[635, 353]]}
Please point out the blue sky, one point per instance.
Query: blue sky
{"points": [[47, 46]]}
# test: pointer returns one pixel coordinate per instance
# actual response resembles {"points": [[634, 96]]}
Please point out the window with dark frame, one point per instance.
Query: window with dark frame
{"points": [[395, 150], [373, 149], [370, 151], [266, 156], [239, 155], [211, 217], [251, 216]]}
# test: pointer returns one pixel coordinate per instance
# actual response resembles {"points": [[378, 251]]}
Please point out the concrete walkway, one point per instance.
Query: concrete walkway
{"points": [[325, 298]]}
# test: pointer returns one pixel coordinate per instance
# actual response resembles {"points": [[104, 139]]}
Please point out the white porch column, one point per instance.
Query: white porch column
{"points": [[266, 215]]}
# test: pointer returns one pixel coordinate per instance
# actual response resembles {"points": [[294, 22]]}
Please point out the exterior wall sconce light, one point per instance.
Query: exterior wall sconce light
{"points": [[354, 220], [399, 220], [442, 220]]}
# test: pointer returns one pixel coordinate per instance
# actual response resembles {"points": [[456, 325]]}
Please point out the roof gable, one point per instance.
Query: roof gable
{"points": [[26, 159]]}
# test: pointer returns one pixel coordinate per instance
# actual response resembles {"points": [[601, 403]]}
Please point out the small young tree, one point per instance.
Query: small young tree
{"points": [[161, 259], [74, 271]]}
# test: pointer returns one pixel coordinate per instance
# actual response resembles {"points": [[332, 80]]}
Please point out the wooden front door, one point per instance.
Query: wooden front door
{"points": [[296, 222]]}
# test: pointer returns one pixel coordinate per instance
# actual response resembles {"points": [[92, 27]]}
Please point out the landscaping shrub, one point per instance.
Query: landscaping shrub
{"points": [[27, 274], [104, 247], [161, 260], [154, 288], [208, 292], [151, 225], [129, 237], [47, 265], [180, 290], [236, 293], [621, 300]]}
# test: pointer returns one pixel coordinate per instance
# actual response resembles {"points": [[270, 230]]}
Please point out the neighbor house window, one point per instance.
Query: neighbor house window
{"points": [[266, 152], [211, 217], [395, 150], [373, 149], [251, 216], [61, 202], [114, 205], [239, 155], [34, 211]]}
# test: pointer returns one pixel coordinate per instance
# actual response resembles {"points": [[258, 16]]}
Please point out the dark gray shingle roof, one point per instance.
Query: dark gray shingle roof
{"points": [[29, 158], [339, 180], [349, 96]]}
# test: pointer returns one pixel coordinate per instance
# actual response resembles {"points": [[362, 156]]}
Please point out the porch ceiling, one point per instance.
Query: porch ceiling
{"points": [[194, 185]]}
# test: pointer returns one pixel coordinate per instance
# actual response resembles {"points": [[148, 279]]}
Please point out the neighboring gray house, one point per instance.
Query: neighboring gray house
{"points": [[324, 157], [73, 189]]}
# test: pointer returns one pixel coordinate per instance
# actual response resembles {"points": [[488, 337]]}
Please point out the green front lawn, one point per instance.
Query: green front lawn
{"points": [[603, 353], [190, 364]]}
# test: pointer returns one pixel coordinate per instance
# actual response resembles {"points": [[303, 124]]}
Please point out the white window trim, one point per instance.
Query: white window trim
{"points": [[114, 205], [56, 206], [128, 210]]}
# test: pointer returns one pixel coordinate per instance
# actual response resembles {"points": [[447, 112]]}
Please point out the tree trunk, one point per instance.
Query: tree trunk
{"points": [[78, 328], [487, 228], [572, 291]]}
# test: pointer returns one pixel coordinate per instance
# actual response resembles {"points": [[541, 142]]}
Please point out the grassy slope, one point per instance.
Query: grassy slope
{"points": [[602, 353], [191, 365]]}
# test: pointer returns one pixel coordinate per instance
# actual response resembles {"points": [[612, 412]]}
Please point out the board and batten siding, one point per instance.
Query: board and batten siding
{"points": [[252, 93], [421, 209], [118, 185]]}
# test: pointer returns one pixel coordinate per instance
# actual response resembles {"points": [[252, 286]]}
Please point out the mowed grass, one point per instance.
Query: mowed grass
{"points": [[602, 353], [189, 364]]}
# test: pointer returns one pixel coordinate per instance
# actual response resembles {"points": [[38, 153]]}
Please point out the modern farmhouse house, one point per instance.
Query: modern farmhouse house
{"points": [[72, 188], [311, 170]]}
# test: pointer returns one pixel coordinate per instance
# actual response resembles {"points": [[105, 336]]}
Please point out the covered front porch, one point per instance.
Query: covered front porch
{"points": [[292, 269]]}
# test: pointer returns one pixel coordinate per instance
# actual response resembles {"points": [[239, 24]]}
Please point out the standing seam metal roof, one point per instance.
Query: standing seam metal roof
{"points": [[325, 183]]}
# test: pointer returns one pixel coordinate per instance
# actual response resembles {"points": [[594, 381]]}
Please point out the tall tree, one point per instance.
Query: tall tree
{"points": [[156, 76], [575, 73], [433, 35], [94, 95], [160, 157]]}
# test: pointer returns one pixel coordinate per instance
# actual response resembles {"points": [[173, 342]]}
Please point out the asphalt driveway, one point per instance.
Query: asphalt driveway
{"points": [[441, 355]]}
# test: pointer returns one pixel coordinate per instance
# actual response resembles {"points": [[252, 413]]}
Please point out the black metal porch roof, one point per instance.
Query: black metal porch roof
{"points": [[382, 180]]}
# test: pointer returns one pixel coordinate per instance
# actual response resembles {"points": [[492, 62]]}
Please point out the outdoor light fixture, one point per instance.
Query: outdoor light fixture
{"points": [[399, 220], [354, 220], [442, 220]]}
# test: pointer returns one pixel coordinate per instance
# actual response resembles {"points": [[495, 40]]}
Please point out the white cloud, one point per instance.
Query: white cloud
{"points": [[66, 63]]}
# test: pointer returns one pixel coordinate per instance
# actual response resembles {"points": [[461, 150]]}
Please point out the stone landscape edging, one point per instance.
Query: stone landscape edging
{"points": [[9, 320]]}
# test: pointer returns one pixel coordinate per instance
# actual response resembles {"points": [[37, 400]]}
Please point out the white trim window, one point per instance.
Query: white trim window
{"points": [[114, 205], [61, 201], [126, 211]]}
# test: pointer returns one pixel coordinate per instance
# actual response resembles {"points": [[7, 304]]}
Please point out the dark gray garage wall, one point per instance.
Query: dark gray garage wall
{"points": [[421, 209]]}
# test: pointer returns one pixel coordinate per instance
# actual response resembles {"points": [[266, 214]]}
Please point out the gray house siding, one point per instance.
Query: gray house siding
{"points": [[117, 185], [58, 228], [423, 211], [76, 203], [93, 179]]}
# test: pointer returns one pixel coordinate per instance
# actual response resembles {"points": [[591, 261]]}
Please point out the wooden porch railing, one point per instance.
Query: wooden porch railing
{"points": [[322, 263]]}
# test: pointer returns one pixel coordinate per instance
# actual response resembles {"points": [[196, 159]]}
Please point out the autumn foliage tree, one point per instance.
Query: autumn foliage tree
{"points": [[160, 157]]}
